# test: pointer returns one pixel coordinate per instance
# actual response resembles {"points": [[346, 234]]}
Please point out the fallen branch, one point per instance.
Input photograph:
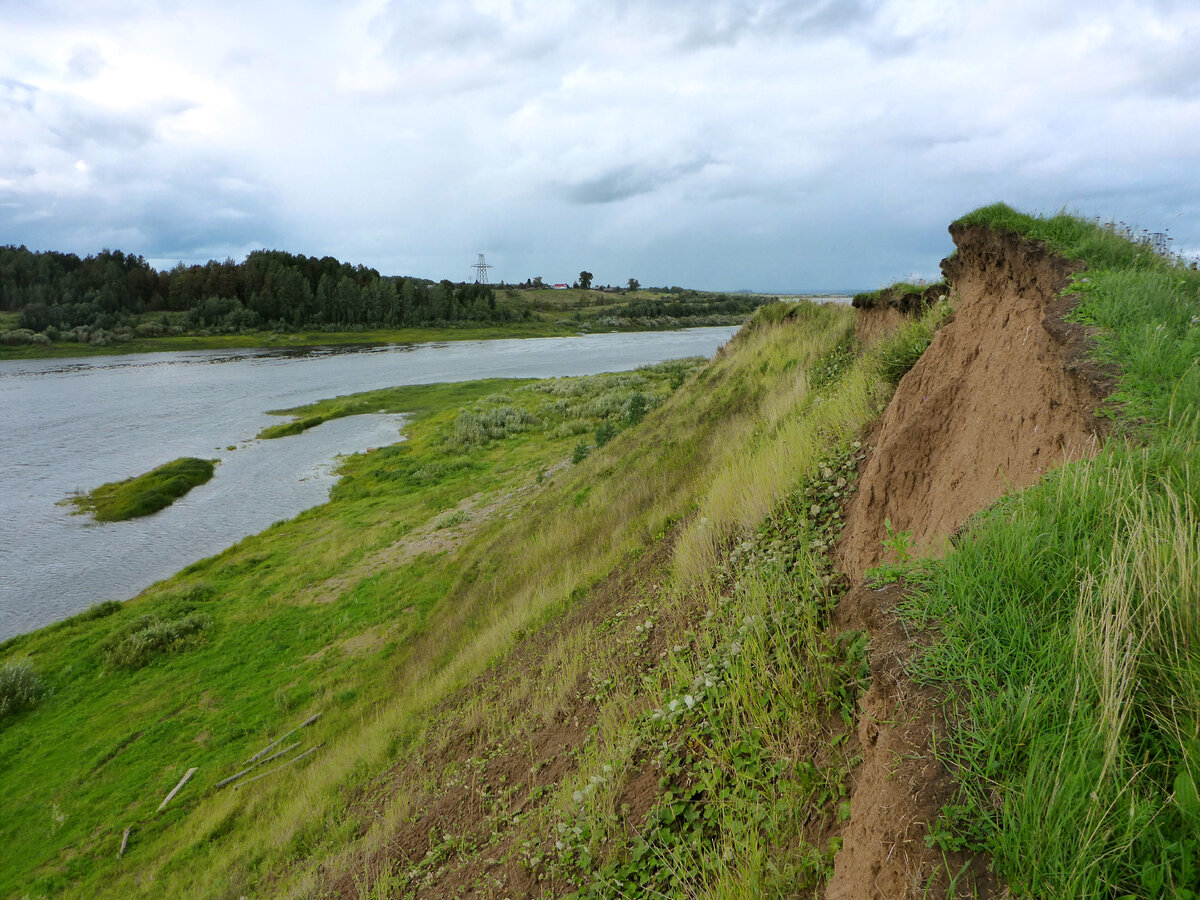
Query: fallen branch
{"points": [[182, 782], [277, 768], [265, 750], [289, 748], [125, 840]]}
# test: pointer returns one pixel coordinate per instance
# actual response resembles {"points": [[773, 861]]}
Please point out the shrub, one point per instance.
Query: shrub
{"points": [[635, 408], [581, 452], [489, 425], [23, 336], [148, 637], [20, 686], [605, 433]]}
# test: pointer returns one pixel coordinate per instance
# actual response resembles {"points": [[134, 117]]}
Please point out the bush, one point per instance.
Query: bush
{"points": [[635, 408], [148, 637], [605, 433], [581, 452], [23, 336], [489, 425], [20, 686]]}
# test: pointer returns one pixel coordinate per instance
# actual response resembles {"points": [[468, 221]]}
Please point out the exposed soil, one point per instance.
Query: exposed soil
{"points": [[480, 778], [872, 325], [882, 313], [997, 400], [900, 787]]}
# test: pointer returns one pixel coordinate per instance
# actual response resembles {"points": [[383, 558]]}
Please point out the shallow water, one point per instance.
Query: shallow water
{"points": [[70, 425]]}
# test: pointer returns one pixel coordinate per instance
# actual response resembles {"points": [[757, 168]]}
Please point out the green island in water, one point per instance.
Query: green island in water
{"points": [[144, 494], [685, 630]]}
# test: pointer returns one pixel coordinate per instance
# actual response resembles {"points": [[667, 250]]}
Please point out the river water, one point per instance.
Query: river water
{"points": [[70, 425]]}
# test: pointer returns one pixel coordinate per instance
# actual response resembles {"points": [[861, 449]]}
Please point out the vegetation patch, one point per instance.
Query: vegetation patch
{"points": [[148, 637], [901, 352], [145, 494], [20, 686]]}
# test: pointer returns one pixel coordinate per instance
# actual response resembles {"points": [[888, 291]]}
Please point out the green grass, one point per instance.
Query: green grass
{"points": [[145, 494], [894, 291], [328, 612], [731, 717], [1069, 613]]}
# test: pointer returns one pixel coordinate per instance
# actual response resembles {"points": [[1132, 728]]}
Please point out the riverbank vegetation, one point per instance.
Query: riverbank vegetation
{"points": [[144, 494], [617, 674], [57, 304]]}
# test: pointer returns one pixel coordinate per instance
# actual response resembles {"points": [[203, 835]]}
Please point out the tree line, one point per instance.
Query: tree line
{"points": [[55, 293]]}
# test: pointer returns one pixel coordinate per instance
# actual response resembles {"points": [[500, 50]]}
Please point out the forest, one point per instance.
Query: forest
{"points": [[65, 297]]}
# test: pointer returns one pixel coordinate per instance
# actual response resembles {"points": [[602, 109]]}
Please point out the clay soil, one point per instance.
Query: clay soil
{"points": [[900, 787], [991, 406]]}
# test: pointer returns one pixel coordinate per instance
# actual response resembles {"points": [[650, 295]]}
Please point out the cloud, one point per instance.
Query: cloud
{"points": [[727, 143], [623, 182]]}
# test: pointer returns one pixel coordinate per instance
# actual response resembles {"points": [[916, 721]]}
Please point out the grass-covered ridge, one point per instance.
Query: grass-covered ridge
{"points": [[147, 493], [1070, 612]]}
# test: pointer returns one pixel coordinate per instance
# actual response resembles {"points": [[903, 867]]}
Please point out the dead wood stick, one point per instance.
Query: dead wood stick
{"points": [[225, 781], [124, 841], [298, 756], [267, 749], [175, 790]]}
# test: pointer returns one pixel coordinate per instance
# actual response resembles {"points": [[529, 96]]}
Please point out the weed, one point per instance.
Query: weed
{"points": [[148, 637], [453, 519], [20, 686]]}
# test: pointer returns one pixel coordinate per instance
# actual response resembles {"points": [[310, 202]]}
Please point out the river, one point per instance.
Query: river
{"points": [[70, 425]]}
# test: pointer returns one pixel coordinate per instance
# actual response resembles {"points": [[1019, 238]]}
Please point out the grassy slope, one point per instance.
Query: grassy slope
{"points": [[737, 710], [1070, 614], [145, 494], [428, 625], [303, 617]]}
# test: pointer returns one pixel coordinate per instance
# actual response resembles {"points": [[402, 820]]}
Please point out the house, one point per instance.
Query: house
{"points": [[561, 287]]}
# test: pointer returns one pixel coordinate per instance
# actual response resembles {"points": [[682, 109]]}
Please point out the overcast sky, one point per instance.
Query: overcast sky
{"points": [[725, 144]]}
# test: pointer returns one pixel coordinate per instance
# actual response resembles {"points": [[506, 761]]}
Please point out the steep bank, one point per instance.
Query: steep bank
{"points": [[635, 678], [989, 408], [1029, 661]]}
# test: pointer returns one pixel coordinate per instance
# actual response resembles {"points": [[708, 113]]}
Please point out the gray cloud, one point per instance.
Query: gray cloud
{"points": [[727, 143], [623, 182]]}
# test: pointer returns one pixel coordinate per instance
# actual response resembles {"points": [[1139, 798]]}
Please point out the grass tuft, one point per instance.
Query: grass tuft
{"points": [[20, 686]]}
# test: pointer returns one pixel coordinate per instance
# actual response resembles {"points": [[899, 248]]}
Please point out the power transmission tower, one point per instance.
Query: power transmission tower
{"points": [[481, 267]]}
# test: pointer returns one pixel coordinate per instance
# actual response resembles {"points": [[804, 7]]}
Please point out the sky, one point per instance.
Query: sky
{"points": [[814, 145]]}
